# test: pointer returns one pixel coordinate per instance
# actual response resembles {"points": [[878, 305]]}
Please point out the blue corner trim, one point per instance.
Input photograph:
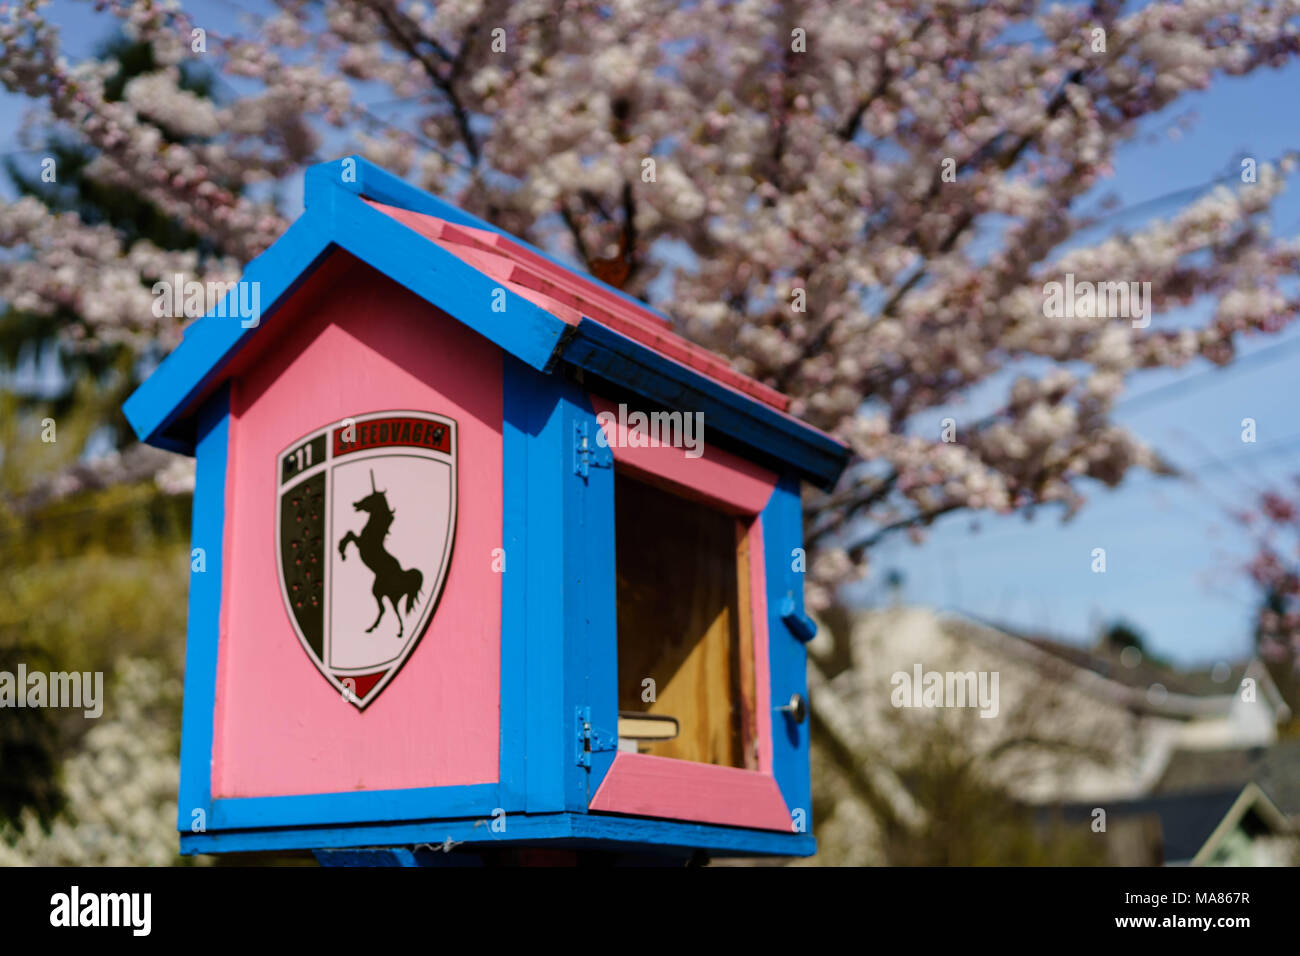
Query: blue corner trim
{"points": [[357, 806], [554, 829], [406, 257], [534, 611], [606, 353], [783, 532], [212, 341], [515, 439], [202, 631], [559, 614]]}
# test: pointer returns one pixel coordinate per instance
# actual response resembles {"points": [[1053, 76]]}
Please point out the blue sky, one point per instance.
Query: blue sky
{"points": [[1173, 552]]}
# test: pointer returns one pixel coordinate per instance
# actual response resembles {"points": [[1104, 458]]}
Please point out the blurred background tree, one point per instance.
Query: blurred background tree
{"points": [[94, 551], [1275, 571]]}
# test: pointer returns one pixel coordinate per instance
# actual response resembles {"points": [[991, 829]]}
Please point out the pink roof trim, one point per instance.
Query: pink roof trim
{"points": [[569, 296]]}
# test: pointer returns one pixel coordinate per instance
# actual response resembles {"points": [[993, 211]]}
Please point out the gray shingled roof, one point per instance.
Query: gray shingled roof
{"points": [[1105, 660], [1275, 769], [1187, 819]]}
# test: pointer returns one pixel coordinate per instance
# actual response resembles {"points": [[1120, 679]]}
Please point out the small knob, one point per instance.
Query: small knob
{"points": [[797, 709]]}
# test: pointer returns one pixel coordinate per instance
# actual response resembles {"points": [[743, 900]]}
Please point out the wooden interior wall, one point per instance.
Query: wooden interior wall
{"points": [[743, 685], [684, 621]]}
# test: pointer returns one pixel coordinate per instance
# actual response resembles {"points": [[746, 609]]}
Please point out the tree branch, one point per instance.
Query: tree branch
{"points": [[407, 36]]}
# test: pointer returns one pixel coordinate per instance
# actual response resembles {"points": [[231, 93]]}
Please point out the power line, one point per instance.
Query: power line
{"points": [[1187, 192], [1162, 393], [1280, 445], [1188, 473]]}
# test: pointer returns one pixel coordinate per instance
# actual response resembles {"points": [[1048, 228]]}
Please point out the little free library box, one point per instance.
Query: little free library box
{"points": [[491, 557]]}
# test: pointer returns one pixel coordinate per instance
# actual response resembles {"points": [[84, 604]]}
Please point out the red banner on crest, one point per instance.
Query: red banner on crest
{"points": [[387, 432]]}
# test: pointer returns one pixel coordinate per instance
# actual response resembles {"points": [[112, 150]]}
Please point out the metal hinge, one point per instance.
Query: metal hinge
{"points": [[591, 739], [587, 453]]}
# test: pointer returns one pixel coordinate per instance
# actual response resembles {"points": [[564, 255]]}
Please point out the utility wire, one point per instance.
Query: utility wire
{"points": [[1163, 393], [1185, 193]]}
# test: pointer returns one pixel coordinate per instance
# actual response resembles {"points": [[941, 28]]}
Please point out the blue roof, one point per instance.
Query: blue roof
{"points": [[337, 218]]}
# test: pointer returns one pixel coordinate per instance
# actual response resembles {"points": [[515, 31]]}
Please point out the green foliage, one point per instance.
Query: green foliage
{"points": [[120, 522], [27, 459], [29, 746], [1120, 634], [1123, 634], [82, 613], [84, 580], [975, 823], [121, 783], [967, 819]]}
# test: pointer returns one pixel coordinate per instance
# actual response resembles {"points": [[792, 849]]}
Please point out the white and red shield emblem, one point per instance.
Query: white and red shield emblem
{"points": [[365, 520]]}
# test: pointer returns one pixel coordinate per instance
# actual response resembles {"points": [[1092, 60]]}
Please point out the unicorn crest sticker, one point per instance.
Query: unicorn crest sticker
{"points": [[366, 519]]}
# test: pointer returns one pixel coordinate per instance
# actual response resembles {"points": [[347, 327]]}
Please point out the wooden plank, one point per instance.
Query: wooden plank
{"points": [[650, 786], [517, 400], [747, 712], [530, 334]]}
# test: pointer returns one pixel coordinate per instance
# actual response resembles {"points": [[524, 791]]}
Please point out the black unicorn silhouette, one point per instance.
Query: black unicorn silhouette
{"points": [[390, 580]]}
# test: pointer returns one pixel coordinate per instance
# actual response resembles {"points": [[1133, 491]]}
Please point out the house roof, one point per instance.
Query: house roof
{"points": [[1108, 661], [1191, 823], [1276, 769], [554, 317], [1191, 693]]}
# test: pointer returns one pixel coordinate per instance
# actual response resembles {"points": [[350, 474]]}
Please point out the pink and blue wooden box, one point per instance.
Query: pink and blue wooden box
{"points": [[501, 726]]}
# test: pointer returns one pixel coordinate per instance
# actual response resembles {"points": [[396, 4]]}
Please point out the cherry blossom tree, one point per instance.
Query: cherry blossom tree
{"points": [[1274, 569], [860, 203]]}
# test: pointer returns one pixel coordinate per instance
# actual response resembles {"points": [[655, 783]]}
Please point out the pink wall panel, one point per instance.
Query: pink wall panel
{"points": [[717, 478], [358, 345]]}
